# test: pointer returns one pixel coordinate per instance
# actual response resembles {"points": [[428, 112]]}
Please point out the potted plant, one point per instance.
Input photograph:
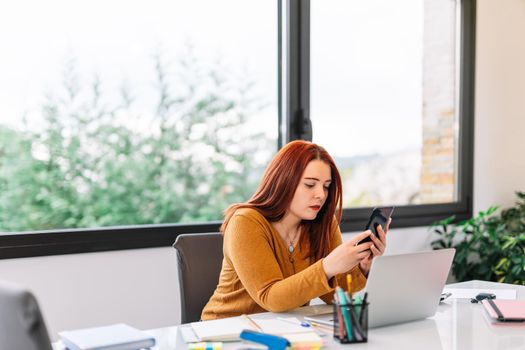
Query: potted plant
{"points": [[489, 246]]}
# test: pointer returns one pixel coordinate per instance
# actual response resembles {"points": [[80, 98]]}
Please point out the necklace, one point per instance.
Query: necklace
{"points": [[288, 241], [291, 247]]}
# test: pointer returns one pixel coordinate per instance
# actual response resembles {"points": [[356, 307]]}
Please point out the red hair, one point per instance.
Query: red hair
{"points": [[277, 188]]}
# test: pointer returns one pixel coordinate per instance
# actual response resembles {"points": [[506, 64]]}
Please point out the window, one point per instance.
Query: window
{"points": [[125, 124], [385, 71], [387, 88]]}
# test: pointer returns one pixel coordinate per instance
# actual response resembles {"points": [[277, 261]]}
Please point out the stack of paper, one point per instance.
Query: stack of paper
{"points": [[114, 337]]}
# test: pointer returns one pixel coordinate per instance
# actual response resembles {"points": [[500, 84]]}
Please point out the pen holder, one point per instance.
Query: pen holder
{"points": [[351, 323]]}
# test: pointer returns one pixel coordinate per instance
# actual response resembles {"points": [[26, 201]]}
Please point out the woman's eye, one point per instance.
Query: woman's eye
{"points": [[309, 185]]}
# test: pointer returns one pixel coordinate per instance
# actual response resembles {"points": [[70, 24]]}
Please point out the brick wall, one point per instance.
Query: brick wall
{"points": [[438, 155]]}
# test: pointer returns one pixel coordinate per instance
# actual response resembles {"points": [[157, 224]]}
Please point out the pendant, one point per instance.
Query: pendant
{"points": [[291, 248]]}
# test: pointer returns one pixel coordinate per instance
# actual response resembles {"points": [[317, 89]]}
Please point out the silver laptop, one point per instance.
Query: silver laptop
{"points": [[406, 287], [403, 288]]}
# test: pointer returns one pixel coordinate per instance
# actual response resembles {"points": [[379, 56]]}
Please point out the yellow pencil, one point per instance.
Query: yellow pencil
{"points": [[349, 284]]}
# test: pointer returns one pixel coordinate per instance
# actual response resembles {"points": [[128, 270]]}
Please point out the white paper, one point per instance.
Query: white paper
{"points": [[227, 329], [467, 293]]}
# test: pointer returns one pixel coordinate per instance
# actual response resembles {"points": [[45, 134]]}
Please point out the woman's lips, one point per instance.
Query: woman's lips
{"points": [[315, 207]]}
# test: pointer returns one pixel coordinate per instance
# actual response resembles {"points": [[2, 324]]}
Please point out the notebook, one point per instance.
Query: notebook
{"points": [[113, 337], [229, 329], [505, 310]]}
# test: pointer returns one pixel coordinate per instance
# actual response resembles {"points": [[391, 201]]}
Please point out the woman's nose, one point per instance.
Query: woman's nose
{"points": [[319, 193]]}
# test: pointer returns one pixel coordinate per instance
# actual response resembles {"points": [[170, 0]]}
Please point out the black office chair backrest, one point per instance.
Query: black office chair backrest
{"points": [[21, 323], [200, 259]]}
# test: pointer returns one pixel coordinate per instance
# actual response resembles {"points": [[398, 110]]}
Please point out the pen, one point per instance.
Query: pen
{"points": [[252, 322], [358, 332], [321, 326], [363, 307], [365, 297], [356, 314], [444, 296], [302, 324]]}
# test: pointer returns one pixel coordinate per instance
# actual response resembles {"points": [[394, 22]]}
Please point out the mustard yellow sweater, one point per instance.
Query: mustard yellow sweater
{"points": [[258, 273]]}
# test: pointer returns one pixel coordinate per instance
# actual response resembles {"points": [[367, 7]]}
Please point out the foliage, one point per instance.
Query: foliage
{"points": [[489, 246], [95, 163]]}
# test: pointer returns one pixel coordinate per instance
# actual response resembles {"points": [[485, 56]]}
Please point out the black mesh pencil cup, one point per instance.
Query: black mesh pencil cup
{"points": [[351, 322]]}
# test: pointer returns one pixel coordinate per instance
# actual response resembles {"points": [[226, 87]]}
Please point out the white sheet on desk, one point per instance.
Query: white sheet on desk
{"points": [[467, 293], [231, 328]]}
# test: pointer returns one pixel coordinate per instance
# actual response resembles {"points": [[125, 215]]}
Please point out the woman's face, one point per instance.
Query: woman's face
{"points": [[312, 191]]}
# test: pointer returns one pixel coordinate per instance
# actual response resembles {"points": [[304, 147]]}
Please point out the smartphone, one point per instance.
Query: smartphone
{"points": [[380, 216]]}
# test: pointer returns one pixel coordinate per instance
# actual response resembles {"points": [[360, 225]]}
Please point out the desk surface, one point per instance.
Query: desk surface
{"points": [[457, 324]]}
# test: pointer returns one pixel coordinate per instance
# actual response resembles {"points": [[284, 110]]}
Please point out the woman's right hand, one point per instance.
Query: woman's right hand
{"points": [[347, 255]]}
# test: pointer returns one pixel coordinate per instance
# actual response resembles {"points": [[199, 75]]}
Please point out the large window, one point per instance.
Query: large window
{"points": [[127, 113], [126, 123]]}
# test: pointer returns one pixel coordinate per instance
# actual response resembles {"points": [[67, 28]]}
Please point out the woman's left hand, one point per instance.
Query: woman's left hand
{"points": [[378, 248]]}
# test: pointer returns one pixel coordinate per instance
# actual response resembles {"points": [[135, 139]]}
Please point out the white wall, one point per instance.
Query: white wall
{"points": [[140, 286], [499, 162]]}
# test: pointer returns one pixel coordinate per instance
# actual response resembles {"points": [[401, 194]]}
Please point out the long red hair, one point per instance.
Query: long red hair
{"points": [[277, 188]]}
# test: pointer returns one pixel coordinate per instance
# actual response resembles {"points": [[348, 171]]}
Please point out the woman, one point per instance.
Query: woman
{"points": [[283, 247]]}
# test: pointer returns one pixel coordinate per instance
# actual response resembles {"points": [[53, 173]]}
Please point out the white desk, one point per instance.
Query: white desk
{"points": [[457, 325]]}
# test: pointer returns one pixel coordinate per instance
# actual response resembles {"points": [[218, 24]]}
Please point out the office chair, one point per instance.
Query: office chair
{"points": [[200, 259], [21, 323]]}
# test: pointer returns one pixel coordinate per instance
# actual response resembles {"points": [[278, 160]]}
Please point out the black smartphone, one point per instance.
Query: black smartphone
{"points": [[380, 216]]}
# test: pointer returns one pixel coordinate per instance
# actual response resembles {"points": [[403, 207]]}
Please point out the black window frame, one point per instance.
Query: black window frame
{"points": [[294, 123]]}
